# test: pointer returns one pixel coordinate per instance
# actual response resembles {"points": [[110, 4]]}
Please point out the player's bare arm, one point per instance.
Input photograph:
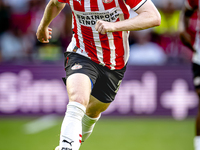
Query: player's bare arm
{"points": [[148, 16], [52, 9], [183, 25]]}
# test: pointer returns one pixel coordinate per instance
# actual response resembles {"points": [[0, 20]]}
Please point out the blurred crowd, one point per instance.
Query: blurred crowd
{"points": [[19, 20], [18, 44]]}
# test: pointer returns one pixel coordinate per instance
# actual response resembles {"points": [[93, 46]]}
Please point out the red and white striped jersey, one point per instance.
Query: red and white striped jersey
{"points": [[111, 49], [194, 28]]}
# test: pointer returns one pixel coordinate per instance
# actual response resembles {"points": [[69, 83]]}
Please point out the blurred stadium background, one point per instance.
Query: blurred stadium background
{"points": [[154, 109]]}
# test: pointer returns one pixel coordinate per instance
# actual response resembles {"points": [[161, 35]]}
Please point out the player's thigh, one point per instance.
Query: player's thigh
{"points": [[79, 88], [95, 107]]}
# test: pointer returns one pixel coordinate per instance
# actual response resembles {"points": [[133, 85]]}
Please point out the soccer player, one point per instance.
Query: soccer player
{"points": [[96, 57], [189, 27]]}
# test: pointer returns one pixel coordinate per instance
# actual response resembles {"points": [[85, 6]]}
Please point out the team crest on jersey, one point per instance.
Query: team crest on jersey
{"points": [[76, 66], [107, 1]]}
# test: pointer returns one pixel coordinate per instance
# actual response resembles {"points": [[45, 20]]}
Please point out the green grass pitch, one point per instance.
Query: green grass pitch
{"points": [[109, 134]]}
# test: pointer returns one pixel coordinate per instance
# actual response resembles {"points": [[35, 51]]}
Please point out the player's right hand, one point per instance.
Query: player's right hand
{"points": [[44, 34], [103, 26]]}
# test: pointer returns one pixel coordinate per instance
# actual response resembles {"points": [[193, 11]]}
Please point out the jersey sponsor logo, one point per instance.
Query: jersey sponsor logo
{"points": [[107, 1], [76, 66], [89, 19]]}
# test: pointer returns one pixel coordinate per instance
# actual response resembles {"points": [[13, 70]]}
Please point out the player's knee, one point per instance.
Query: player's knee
{"points": [[80, 99]]}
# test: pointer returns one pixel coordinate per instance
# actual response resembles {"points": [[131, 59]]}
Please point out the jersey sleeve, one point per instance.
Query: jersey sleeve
{"points": [[135, 4], [192, 4]]}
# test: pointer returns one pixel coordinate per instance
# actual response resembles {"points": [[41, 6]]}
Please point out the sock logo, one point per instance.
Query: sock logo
{"points": [[66, 148], [70, 143]]}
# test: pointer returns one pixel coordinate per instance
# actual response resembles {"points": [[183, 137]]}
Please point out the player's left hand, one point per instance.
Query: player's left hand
{"points": [[103, 26]]}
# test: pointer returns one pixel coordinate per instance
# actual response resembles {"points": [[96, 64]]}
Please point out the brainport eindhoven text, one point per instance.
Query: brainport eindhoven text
{"points": [[92, 19]]}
